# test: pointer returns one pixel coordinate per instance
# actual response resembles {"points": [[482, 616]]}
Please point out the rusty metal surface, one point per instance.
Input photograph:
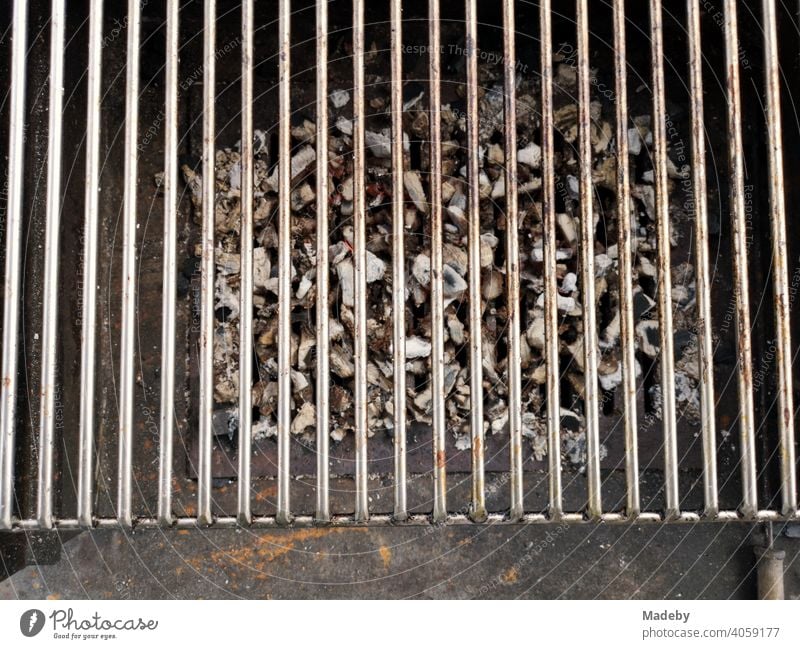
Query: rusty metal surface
{"points": [[443, 562]]}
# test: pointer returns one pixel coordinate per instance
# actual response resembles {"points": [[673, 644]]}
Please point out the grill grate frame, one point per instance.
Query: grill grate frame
{"points": [[516, 511]]}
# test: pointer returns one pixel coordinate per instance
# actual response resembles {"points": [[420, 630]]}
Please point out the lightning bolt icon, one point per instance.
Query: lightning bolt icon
{"points": [[32, 621]]}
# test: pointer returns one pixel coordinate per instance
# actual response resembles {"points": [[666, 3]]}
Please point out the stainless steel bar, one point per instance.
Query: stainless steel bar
{"points": [[780, 253], [168, 308], [516, 508], [590, 344], [416, 520], [555, 508], [360, 263], [244, 513], [667, 361], [90, 234], [47, 415], [478, 508], [323, 269], [284, 259], [11, 292], [379, 520], [625, 251], [703, 283], [437, 244], [740, 280], [206, 424], [128, 314], [398, 266]]}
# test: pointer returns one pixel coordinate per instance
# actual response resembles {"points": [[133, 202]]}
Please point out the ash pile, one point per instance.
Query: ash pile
{"points": [[417, 241]]}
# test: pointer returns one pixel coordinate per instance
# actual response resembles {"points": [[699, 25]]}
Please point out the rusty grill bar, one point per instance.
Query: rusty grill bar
{"points": [[478, 507], [705, 340], [626, 264], [779, 256], [590, 350], [667, 361], [442, 509], [516, 504], [741, 288]]}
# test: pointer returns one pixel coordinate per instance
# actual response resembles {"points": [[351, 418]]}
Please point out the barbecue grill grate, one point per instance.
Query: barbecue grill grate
{"points": [[89, 481]]}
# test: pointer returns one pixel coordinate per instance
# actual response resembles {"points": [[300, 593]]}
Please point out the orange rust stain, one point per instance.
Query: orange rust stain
{"points": [[53, 596], [6, 381], [148, 444], [441, 460], [183, 532], [263, 550], [510, 576], [386, 555], [267, 493], [476, 447]]}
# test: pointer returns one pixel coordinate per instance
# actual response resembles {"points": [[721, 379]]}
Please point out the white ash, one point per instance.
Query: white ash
{"points": [[379, 144], [304, 419], [344, 125], [339, 98], [531, 155], [417, 347]]}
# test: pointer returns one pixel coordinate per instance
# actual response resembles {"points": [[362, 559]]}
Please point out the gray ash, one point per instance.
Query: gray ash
{"points": [[417, 227]]}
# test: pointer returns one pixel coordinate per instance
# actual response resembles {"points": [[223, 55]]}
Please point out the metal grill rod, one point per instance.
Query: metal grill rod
{"points": [[206, 424], [170, 268], [625, 251], [478, 506], [246, 270], [704, 336], [516, 506], [360, 263], [667, 355], [555, 507], [284, 258], [437, 290], [11, 293], [780, 254], [90, 234], [128, 315], [323, 269], [47, 413], [398, 266], [590, 349], [740, 283]]}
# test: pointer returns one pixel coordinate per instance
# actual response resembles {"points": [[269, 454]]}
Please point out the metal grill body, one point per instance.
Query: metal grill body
{"points": [[98, 488]]}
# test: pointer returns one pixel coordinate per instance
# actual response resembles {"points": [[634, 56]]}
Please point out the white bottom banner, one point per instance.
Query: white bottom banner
{"points": [[404, 625]]}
